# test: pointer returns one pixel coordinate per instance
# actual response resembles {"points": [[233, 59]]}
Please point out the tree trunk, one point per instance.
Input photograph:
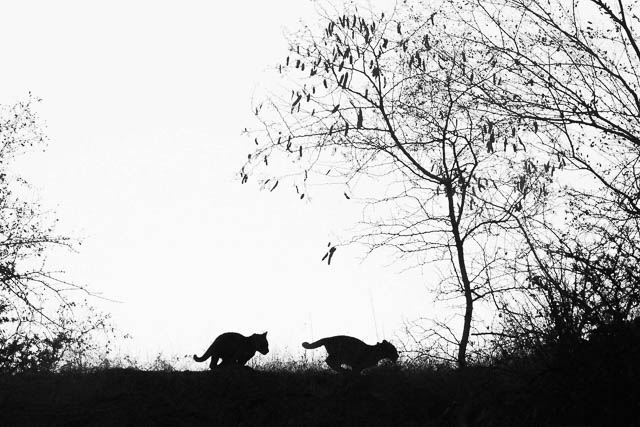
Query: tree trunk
{"points": [[464, 277]]}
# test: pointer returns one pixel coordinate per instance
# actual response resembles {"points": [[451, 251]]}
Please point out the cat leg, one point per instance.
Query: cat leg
{"points": [[214, 362], [334, 364]]}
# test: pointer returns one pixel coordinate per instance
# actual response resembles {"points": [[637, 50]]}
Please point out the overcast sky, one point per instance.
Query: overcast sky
{"points": [[144, 104]]}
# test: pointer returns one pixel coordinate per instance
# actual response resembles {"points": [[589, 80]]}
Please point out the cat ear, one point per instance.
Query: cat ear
{"points": [[265, 334]]}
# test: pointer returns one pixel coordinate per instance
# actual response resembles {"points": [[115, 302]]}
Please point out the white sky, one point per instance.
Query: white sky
{"points": [[144, 104]]}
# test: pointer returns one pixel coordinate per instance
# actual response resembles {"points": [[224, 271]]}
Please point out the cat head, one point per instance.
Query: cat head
{"points": [[260, 340], [388, 350]]}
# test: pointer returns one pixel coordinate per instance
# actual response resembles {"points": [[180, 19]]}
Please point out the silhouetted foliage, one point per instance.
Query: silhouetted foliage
{"points": [[570, 69], [38, 325]]}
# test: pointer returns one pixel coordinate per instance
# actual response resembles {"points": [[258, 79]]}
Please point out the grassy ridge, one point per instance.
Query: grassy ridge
{"points": [[387, 396]]}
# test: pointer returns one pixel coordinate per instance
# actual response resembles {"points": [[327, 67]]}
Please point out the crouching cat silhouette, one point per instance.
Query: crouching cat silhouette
{"points": [[234, 349], [350, 351]]}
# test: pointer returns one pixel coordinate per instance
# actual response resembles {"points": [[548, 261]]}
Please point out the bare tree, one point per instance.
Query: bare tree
{"points": [[569, 70], [383, 105]]}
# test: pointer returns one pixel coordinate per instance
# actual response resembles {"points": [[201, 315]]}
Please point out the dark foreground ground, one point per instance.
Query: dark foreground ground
{"points": [[382, 397]]}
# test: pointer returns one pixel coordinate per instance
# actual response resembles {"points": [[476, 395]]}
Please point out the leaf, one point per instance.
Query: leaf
{"points": [[399, 30], [274, 186], [347, 196], [490, 143], [522, 183], [359, 124], [335, 108], [522, 143]]}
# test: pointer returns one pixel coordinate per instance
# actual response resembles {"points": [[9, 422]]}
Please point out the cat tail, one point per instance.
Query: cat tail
{"points": [[316, 344], [205, 356]]}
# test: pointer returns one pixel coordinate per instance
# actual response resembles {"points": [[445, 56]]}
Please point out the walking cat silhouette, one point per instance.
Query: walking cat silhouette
{"points": [[234, 349], [350, 351]]}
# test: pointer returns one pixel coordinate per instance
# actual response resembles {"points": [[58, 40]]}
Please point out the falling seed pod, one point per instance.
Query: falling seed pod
{"points": [[331, 251]]}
